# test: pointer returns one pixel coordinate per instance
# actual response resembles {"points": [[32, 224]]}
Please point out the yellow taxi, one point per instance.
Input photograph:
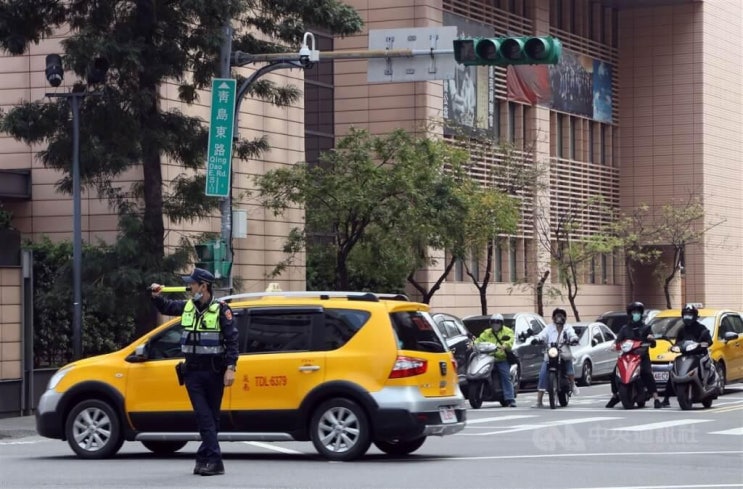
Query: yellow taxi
{"points": [[341, 369], [726, 328]]}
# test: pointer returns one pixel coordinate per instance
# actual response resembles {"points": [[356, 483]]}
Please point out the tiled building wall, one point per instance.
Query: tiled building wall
{"points": [[10, 323], [680, 134]]}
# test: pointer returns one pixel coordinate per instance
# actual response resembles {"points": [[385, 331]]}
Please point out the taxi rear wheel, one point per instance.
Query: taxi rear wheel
{"points": [[399, 448], [93, 430], [163, 447], [340, 430]]}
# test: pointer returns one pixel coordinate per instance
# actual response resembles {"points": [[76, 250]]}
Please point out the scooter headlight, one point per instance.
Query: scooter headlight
{"points": [[552, 352]]}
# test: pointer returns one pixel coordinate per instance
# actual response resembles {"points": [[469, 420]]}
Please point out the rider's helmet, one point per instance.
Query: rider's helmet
{"points": [[689, 314], [496, 322], [559, 315], [635, 306]]}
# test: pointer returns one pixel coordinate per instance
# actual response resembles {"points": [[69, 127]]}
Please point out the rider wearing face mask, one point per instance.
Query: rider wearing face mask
{"points": [[561, 331], [636, 329], [503, 337], [692, 330]]}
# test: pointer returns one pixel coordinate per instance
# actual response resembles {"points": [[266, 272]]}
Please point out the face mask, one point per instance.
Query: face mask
{"points": [[636, 316], [559, 320], [688, 320]]}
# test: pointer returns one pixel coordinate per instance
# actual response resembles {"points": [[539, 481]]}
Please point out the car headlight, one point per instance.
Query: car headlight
{"points": [[57, 377]]}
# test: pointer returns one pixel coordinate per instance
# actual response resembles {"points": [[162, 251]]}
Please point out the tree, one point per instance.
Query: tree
{"points": [[635, 235], [148, 44], [364, 201], [679, 224], [562, 237]]}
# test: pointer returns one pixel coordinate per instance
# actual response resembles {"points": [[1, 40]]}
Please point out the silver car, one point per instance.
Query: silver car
{"points": [[594, 356]]}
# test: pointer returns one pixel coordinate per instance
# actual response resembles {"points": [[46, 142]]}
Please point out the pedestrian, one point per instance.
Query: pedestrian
{"points": [[209, 341]]}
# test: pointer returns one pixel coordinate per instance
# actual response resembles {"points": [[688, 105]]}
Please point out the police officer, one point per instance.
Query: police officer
{"points": [[209, 341]]}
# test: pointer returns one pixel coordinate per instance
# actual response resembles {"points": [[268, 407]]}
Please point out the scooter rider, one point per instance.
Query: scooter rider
{"points": [[551, 334], [695, 331], [636, 329], [497, 333]]}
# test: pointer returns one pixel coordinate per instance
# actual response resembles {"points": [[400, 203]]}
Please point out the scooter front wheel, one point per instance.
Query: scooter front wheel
{"points": [[625, 395], [552, 389], [475, 392], [683, 394]]}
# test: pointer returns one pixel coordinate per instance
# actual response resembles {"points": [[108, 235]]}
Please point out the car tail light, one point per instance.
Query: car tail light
{"points": [[408, 367]]}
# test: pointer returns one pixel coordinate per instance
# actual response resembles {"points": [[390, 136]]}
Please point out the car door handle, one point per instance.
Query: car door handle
{"points": [[309, 368]]}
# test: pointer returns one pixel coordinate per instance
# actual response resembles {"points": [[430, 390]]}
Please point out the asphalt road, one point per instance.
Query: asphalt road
{"points": [[583, 446]]}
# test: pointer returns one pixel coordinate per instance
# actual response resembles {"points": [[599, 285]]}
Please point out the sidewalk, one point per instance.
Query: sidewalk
{"points": [[17, 427]]}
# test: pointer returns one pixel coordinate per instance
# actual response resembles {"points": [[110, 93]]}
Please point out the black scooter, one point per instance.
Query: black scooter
{"points": [[694, 376], [483, 379]]}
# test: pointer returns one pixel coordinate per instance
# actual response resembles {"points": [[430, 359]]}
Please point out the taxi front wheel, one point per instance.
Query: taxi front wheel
{"points": [[93, 430], [340, 430]]}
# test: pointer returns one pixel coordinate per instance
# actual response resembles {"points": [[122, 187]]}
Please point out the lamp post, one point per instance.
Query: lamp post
{"points": [[54, 75]]}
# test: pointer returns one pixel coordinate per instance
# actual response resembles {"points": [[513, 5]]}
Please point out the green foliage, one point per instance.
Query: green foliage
{"points": [[115, 300], [125, 125], [372, 205]]}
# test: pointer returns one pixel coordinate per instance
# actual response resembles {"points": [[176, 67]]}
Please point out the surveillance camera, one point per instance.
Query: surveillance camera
{"points": [[54, 71]]}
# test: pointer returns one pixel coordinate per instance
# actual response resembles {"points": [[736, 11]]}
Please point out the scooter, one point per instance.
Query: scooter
{"points": [[693, 375], [629, 382], [483, 379], [559, 388]]}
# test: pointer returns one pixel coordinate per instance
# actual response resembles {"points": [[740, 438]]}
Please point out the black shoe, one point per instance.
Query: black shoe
{"points": [[216, 468], [198, 467], [612, 402], [666, 403], [658, 404]]}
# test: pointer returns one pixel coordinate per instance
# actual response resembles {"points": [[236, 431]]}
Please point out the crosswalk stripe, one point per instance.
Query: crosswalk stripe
{"points": [[734, 431], [500, 418], [664, 424], [527, 427]]}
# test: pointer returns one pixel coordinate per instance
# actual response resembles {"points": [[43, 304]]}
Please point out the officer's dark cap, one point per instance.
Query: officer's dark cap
{"points": [[199, 275]]}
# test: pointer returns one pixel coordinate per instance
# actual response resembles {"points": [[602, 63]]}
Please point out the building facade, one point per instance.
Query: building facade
{"points": [[644, 108]]}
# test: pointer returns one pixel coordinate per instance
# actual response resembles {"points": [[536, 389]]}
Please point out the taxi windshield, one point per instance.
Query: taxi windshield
{"points": [[668, 327]]}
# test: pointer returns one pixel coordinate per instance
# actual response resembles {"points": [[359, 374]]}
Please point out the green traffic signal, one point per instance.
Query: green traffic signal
{"points": [[504, 51]]}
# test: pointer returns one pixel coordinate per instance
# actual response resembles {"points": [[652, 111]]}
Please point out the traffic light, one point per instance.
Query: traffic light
{"points": [[504, 51], [214, 256]]}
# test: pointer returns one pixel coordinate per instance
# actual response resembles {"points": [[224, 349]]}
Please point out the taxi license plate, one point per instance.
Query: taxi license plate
{"points": [[447, 415], [661, 376]]}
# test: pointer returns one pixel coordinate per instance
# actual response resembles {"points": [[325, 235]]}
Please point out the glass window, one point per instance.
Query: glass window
{"points": [[415, 331], [276, 330], [166, 344], [341, 325]]}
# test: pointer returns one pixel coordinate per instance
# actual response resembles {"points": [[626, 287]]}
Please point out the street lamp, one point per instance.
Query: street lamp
{"points": [[54, 75]]}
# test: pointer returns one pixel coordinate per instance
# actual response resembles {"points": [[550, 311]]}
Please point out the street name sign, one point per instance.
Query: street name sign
{"points": [[221, 129]]}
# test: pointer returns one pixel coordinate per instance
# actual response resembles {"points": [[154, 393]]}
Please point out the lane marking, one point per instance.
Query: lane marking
{"points": [[269, 446], [602, 455], [500, 418], [734, 431], [663, 424], [550, 424]]}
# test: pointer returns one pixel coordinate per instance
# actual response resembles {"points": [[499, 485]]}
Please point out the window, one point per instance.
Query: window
{"points": [[279, 330], [571, 131], [498, 263], [512, 260], [166, 344], [340, 326], [415, 331]]}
